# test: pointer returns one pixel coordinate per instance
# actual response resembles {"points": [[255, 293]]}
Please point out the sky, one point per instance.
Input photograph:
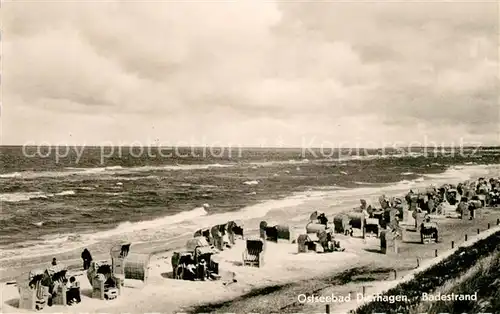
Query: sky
{"points": [[250, 73]]}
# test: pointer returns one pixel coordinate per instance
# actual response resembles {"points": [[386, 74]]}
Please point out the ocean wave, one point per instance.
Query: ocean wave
{"points": [[153, 230], [21, 196], [373, 156], [11, 175], [48, 245], [72, 171], [253, 182], [114, 193], [26, 196], [407, 173], [180, 167], [365, 183], [67, 242], [129, 227], [86, 188], [163, 228], [64, 193], [277, 162]]}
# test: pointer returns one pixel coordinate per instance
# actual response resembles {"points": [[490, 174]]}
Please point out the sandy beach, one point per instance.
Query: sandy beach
{"points": [[274, 287], [131, 128]]}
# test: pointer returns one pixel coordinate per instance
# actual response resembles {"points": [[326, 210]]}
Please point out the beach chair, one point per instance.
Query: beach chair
{"points": [[372, 227], [254, 253], [137, 267], [217, 233], [178, 259], [428, 232], [285, 234], [205, 253], [357, 221], [389, 242], [128, 264], [105, 286], [32, 294], [452, 196], [234, 229], [54, 278], [205, 233], [305, 243], [341, 224], [314, 241]]}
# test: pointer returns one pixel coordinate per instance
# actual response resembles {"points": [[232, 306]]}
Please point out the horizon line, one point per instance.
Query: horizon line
{"points": [[256, 147]]}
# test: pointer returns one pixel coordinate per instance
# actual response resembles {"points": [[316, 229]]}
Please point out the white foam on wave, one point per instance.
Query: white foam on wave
{"points": [[21, 196], [128, 227], [86, 188], [60, 243], [72, 171], [50, 245], [11, 175], [158, 229], [407, 173], [26, 196], [189, 167], [278, 162], [365, 183], [64, 193], [198, 218], [114, 193], [253, 182]]}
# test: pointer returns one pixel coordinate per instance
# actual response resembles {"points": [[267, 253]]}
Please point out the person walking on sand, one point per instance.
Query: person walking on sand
{"points": [[87, 259]]}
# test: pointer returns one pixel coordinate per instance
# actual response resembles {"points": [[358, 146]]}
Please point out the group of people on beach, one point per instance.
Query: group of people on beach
{"points": [[466, 196], [72, 287], [194, 271]]}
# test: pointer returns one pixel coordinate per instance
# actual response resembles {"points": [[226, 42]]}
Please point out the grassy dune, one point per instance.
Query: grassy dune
{"points": [[483, 278], [458, 265]]}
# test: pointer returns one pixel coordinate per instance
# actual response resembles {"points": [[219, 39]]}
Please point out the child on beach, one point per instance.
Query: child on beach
{"points": [[73, 294]]}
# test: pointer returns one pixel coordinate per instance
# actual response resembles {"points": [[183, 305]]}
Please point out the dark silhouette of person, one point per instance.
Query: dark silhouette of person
{"points": [[124, 251], [322, 219], [87, 259], [189, 269], [54, 262]]}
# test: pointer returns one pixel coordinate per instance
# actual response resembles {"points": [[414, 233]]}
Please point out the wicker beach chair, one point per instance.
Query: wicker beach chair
{"points": [[254, 253], [341, 224], [33, 294], [128, 264], [372, 227]]}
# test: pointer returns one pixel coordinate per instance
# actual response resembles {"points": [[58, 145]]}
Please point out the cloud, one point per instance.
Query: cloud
{"points": [[239, 72]]}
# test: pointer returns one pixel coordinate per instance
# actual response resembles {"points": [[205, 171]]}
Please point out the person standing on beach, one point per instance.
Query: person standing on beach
{"points": [[54, 262], [87, 259]]}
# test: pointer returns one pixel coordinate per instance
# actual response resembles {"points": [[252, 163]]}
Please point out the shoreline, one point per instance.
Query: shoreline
{"points": [[297, 272], [9, 266], [228, 194], [285, 275]]}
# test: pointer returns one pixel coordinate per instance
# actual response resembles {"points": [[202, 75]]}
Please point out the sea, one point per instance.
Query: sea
{"points": [[56, 199]]}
